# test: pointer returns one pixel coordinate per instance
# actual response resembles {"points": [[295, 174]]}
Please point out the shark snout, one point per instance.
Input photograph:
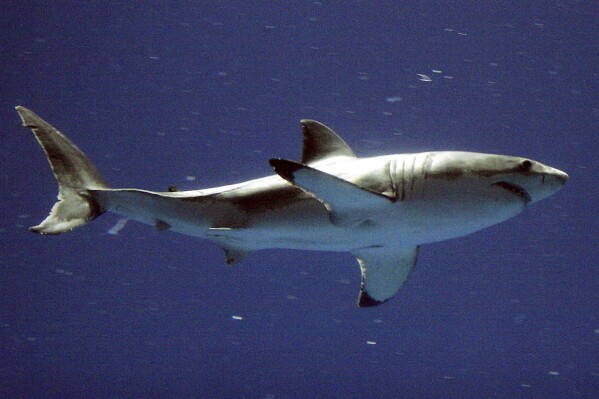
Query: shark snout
{"points": [[552, 180], [561, 177], [555, 177]]}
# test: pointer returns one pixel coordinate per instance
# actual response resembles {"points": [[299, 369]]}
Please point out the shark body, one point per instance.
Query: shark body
{"points": [[381, 209]]}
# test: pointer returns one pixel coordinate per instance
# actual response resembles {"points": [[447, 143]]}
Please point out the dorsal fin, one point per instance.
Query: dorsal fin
{"points": [[320, 143]]}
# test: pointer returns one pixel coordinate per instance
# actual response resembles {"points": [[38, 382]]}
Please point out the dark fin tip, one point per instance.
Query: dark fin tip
{"points": [[230, 260], [36, 230], [285, 168], [366, 301], [162, 225]]}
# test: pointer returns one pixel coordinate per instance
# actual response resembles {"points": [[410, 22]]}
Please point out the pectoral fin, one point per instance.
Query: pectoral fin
{"points": [[347, 202], [384, 270]]}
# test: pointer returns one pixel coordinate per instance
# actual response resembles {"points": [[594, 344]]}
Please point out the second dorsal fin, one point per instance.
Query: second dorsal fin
{"points": [[321, 143]]}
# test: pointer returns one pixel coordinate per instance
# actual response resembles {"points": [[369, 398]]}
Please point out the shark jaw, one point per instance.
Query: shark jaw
{"points": [[380, 209], [516, 190]]}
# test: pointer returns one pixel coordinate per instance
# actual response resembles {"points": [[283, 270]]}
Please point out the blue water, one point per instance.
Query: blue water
{"points": [[200, 94]]}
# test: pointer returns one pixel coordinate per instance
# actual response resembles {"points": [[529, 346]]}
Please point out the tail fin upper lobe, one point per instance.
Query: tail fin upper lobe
{"points": [[75, 175]]}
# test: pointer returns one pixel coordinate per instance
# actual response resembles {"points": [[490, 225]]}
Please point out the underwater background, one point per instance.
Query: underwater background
{"points": [[202, 93]]}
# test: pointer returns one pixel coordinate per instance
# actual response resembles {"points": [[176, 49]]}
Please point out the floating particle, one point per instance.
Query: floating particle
{"points": [[370, 342], [394, 99], [424, 78], [236, 317]]}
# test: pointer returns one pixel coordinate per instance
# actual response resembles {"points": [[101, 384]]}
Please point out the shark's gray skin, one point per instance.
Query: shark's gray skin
{"points": [[380, 209]]}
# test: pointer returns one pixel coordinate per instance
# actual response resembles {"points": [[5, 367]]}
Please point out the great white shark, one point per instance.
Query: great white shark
{"points": [[380, 209]]}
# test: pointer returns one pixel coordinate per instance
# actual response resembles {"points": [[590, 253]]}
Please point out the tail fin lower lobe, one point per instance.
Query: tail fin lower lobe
{"points": [[75, 174]]}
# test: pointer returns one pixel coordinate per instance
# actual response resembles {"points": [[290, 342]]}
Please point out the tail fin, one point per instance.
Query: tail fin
{"points": [[74, 173]]}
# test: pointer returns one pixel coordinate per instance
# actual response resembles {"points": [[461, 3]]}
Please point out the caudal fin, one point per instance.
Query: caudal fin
{"points": [[75, 174]]}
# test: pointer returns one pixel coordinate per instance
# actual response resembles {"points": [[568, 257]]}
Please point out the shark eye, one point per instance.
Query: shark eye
{"points": [[525, 165]]}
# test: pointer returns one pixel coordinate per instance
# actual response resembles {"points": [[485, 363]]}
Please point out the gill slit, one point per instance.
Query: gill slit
{"points": [[413, 177], [425, 167], [393, 177], [403, 180]]}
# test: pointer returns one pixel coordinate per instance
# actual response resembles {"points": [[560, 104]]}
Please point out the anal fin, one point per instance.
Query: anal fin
{"points": [[233, 246], [234, 255]]}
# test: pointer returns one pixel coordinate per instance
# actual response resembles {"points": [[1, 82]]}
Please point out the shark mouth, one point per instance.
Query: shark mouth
{"points": [[516, 190]]}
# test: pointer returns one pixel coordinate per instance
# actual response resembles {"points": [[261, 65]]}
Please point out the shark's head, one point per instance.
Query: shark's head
{"points": [[527, 180], [464, 192]]}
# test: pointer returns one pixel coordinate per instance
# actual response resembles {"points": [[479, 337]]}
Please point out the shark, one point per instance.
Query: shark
{"points": [[380, 209]]}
